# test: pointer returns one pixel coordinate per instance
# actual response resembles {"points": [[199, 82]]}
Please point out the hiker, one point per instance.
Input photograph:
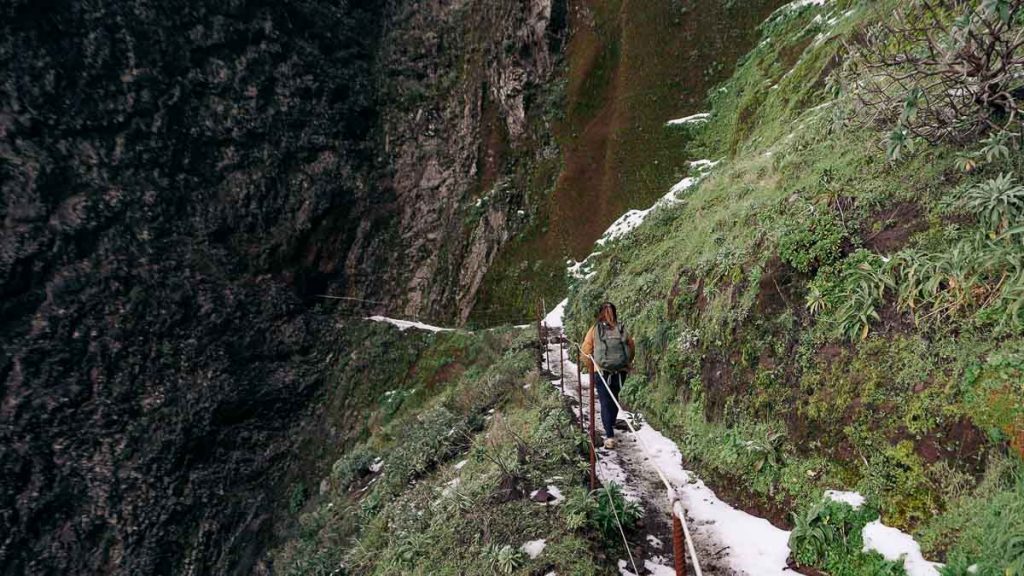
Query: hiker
{"points": [[612, 347]]}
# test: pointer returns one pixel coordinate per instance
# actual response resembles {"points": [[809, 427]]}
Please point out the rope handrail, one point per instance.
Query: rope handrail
{"points": [[674, 501]]}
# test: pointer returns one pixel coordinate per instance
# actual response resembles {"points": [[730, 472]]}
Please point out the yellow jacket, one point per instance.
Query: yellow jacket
{"points": [[588, 349]]}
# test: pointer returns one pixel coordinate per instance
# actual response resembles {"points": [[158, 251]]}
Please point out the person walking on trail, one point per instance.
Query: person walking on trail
{"points": [[610, 345]]}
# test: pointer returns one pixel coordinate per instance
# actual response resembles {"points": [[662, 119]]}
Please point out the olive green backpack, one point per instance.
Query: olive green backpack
{"points": [[611, 350]]}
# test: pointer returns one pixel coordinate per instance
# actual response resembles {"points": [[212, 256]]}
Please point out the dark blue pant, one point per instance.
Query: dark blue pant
{"points": [[608, 409]]}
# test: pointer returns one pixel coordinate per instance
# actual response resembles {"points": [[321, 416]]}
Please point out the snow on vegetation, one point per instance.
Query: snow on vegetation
{"points": [[895, 545], [581, 270], [702, 165], [634, 218], [695, 119], [554, 492], [854, 499], [624, 225], [451, 486], [533, 548], [404, 325], [798, 4], [891, 543]]}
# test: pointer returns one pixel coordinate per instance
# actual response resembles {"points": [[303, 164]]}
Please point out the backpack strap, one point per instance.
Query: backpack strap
{"points": [[622, 340]]}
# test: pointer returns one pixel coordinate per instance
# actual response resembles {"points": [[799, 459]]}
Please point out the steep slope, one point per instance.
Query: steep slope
{"points": [[816, 316], [179, 180], [464, 90], [165, 170], [470, 466], [629, 65]]}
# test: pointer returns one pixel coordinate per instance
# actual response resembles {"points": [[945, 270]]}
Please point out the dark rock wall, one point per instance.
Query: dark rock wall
{"points": [[178, 180], [174, 177]]}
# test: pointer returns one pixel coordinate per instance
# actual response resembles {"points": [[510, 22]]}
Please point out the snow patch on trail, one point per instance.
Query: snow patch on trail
{"points": [[750, 545], [634, 218], [624, 225], [653, 568], [554, 318], [404, 325]]}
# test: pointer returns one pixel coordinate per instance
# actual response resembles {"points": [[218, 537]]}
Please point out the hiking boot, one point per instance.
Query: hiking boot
{"points": [[609, 443]]}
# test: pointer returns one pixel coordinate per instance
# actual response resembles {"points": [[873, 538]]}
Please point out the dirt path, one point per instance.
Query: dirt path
{"points": [[629, 466]]}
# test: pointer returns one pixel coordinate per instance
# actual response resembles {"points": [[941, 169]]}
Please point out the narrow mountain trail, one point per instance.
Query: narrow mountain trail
{"points": [[728, 542]]}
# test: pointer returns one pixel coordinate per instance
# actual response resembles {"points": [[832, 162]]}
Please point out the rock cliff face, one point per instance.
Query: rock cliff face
{"points": [[461, 117], [173, 175], [177, 180]]}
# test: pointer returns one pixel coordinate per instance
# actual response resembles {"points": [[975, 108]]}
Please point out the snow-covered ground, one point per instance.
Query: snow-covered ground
{"points": [[728, 541], [554, 318], [695, 119], [634, 218], [406, 324], [533, 548], [891, 543]]}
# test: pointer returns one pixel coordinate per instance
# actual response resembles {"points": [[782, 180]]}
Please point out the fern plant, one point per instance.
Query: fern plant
{"points": [[865, 285]]}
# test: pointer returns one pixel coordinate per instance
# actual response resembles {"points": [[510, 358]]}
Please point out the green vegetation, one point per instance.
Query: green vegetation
{"points": [[441, 483], [818, 314], [629, 68], [837, 305], [828, 534], [984, 524]]}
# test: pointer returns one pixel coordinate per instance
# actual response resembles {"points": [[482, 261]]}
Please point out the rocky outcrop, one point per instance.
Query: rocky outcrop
{"points": [[459, 110]]}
